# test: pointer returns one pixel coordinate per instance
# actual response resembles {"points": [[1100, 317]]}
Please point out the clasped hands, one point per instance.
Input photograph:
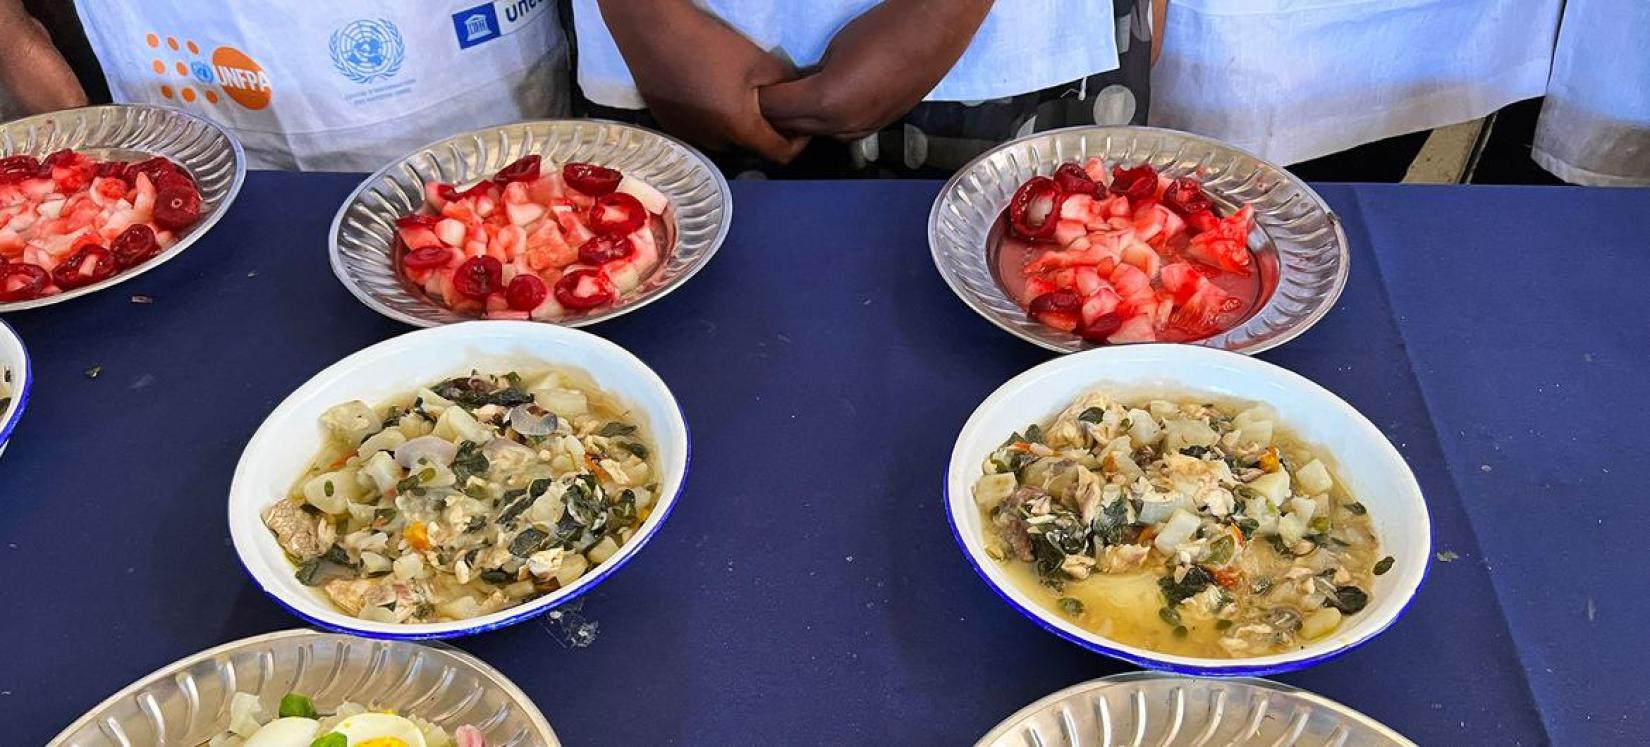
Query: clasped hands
{"points": [[705, 81]]}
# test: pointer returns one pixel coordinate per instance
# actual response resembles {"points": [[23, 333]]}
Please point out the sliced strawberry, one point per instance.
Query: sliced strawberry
{"points": [[1181, 280]]}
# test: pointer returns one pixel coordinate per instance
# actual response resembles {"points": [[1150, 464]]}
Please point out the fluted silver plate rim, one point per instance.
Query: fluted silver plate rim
{"points": [[1153, 708], [361, 242], [210, 154], [1298, 240], [187, 702]]}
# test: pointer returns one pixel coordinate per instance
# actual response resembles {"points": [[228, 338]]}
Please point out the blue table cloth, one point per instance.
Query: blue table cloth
{"points": [[806, 589]]}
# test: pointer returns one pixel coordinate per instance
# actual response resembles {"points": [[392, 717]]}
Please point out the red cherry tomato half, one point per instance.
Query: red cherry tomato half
{"points": [[583, 289], [524, 169], [61, 159], [478, 277], [600, 250], [1185, 196], [477, 190], [591, 179], [526, 292], [18, 168], [1060, 309], [22, 281], [417, 220], [617, 214], [1136, 183], [428, 257], [177, 207], [153, 168], [1074, 180], [1035, 208], [1102, 327], [134, 245], [86, 266]]}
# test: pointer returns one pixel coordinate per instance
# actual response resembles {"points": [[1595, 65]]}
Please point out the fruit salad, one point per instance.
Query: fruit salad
{"points": [[1127, 255], [70, 220], [531, 243]]}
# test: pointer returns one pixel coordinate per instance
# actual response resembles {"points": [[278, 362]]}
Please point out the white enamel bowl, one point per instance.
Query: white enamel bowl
{"points": [[14, 371], [1363, 460], [289, 438]]}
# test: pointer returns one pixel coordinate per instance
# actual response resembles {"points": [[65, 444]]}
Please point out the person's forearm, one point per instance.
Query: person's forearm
{"points": [[940, 30], [32, 71]]}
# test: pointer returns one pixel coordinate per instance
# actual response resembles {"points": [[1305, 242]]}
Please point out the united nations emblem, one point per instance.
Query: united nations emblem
{"points": [[367, 50]]}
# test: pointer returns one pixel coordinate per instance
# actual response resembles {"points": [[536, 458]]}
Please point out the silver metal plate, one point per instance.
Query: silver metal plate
{"points": [[187, 702], [1150, 708], [363, 233], [132, 132], [1298, 241]]}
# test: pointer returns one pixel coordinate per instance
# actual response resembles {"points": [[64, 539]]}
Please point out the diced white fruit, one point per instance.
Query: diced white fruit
{"points": [[992, 489], [1305, 508], [523, 213], [1314, 478], [1273, 485], [451, 232], [651, 198]]}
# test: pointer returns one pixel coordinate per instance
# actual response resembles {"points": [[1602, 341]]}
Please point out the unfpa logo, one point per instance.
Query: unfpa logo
{"points": [[241, 78], [365, 51]]}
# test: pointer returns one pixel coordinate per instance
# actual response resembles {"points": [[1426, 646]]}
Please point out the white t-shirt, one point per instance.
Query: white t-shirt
{"points": [[1023, 46]]}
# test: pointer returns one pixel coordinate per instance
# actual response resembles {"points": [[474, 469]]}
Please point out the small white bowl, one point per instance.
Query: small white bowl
{"points": [[1365, 463], [14, 371], [290, 437]]}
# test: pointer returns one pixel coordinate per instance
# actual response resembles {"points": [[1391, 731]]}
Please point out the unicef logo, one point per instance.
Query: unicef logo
{"points": [[367, 50]]}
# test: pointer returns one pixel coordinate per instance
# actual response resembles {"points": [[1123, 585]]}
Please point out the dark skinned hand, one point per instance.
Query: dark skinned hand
{"points": [[699, 76], [876, 68]]}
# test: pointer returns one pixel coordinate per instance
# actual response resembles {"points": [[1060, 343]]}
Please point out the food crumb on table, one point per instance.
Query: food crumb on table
{"points": [[1447, 556], [142, 300], [94, 372]]}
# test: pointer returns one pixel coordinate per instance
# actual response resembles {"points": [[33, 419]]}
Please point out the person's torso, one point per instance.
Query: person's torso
{"points": [[336, 86], [1024, 45]]}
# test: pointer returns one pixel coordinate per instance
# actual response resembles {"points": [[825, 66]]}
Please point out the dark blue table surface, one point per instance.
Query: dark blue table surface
{"points": [[806, 590]]}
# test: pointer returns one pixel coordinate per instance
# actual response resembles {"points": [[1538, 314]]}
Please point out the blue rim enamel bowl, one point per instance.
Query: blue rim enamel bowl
{"points": [[1361, 458], [15, 381], [283, 447]]}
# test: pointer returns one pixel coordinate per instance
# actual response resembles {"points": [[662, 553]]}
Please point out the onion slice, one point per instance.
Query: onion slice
{"points": [[433, 449], [532, 420]]}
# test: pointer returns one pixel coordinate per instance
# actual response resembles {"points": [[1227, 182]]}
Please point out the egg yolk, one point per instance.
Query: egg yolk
{"points": [[381, 742]]}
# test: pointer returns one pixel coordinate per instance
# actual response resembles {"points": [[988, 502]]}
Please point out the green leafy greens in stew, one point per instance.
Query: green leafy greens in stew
{"points": [[472, 495], [1181, 527]]}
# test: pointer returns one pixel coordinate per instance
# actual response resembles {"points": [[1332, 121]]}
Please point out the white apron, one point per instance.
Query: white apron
{"points": [[1292, 80], [335, 86], [1595, 124], [1022, 46]]}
